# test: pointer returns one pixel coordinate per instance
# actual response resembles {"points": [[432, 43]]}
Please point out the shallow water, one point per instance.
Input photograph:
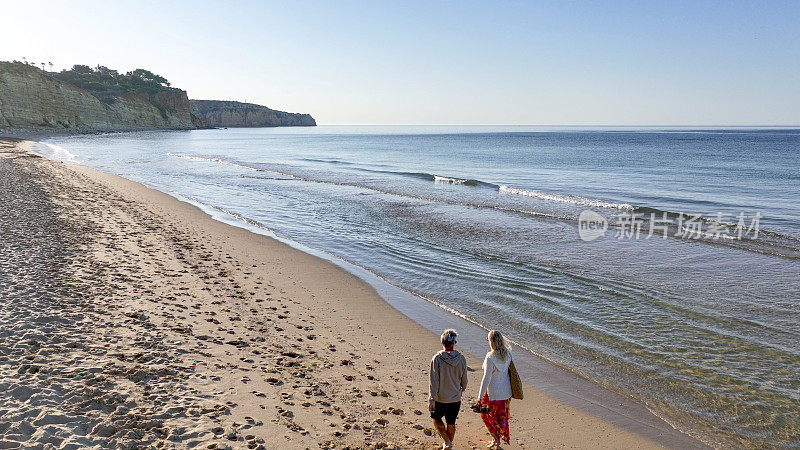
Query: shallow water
{"points": [[485, 221]]}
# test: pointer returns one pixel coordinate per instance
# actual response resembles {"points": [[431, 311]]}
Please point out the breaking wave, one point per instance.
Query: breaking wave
{"points": [[58, 152], [448, 180], [563, 198], [210, 159]]}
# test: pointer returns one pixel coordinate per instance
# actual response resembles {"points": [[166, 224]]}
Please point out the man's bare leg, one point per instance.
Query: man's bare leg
{"points": [[440, 428], [451, 432]]}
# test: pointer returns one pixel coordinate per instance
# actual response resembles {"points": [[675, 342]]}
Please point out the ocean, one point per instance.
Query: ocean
{"points": [[661, 263]]}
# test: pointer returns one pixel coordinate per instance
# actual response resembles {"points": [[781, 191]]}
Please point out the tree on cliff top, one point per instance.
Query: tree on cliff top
{"points": [[106, 84], [148, 76]]}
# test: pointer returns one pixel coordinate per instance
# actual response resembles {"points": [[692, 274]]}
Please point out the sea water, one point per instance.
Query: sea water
{"points": [[680, 289]]}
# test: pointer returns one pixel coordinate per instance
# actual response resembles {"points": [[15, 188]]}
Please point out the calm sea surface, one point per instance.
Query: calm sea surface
{"points": [[701, 326]]}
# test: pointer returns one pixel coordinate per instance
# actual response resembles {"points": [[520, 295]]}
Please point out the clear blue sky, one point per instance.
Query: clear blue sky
{"points": [[445, 62]]}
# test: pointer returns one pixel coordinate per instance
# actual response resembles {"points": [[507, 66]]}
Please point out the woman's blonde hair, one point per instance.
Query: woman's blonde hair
{"points": [[499, 345]]}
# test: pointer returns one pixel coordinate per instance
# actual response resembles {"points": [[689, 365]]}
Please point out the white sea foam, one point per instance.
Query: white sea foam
{"points": [[448, 180], [562, 198], [58, 152], [214, 160]]}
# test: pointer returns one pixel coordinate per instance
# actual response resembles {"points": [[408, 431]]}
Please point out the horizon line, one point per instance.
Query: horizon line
{"points": [[551, 125]]}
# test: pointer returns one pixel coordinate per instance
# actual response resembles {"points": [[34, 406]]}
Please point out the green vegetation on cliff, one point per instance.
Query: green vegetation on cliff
{"points": [[107, 84]]}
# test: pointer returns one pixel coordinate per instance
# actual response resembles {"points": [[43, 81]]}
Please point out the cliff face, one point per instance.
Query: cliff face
{"points": [[217, 113], [31, 100]]}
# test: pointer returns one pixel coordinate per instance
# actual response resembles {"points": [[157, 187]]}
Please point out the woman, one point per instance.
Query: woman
{"points": [[495, 393]]}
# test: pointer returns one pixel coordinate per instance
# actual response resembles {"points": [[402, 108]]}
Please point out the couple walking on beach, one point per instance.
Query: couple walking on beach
{"points": [[499, 384]]}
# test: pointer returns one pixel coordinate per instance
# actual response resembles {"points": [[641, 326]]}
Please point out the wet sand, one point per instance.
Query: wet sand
{"points": [[130, 318]]}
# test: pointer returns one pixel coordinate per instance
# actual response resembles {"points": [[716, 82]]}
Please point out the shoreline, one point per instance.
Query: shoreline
{"points": [[547, 417], [536, 371]]}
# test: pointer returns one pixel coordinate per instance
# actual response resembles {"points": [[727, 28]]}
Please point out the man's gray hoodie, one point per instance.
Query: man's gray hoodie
{"points": [[448, 376]]}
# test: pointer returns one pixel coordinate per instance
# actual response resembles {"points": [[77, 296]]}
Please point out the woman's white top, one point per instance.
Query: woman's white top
{"points": [[495, 378]]}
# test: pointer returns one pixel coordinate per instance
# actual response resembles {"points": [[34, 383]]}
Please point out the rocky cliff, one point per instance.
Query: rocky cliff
{"points": [[31, 99], [217, 113]]}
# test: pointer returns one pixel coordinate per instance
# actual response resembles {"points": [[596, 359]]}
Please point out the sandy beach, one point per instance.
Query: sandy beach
{"points": [[132, 319]]}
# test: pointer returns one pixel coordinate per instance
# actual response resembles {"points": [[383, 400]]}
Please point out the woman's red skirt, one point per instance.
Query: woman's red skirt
{"points": [[496, 420]]}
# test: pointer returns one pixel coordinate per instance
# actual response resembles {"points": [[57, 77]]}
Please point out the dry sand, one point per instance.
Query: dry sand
{"points": [[131, 319]]}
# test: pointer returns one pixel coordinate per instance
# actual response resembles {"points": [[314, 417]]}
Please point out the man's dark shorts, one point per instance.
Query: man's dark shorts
{"points": [[448, 410]]}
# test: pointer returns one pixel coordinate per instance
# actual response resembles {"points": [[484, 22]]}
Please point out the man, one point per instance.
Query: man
{"points": [[448, 382]]}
